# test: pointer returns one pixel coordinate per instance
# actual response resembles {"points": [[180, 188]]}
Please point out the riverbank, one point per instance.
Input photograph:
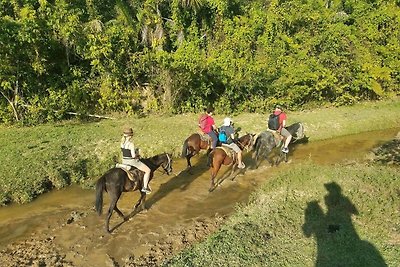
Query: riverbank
{"points": [[310, 215], [54, 156], [60, 228], [289, 219]]}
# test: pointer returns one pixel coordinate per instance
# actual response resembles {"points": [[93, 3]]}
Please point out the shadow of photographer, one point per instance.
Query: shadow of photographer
{"points": [[338, 243]]}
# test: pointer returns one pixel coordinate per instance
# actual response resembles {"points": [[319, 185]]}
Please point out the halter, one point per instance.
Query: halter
{"points": [[168, 167]]}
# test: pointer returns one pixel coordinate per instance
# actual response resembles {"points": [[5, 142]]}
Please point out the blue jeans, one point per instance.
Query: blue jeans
{"points": [[214, 138]]}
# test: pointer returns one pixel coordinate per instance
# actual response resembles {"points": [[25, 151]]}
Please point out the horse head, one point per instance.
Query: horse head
{"points": [[297, 131], [167, 163], [246, 141]]}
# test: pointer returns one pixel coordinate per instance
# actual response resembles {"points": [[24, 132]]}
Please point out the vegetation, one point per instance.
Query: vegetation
{"points": [[40, 158], [310, 216], [156, 56]]}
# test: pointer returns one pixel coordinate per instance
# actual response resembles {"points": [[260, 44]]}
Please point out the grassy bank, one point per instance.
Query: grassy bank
{"points": [[311, 216], [37, 159]]}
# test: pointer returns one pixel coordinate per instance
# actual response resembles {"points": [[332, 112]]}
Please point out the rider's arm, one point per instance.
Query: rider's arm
{"points": [[133, 150]]}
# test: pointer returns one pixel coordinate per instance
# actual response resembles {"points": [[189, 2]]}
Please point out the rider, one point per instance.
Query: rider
{"points": [[230, 133], [131, 157], [209, 126], [282, 130]]}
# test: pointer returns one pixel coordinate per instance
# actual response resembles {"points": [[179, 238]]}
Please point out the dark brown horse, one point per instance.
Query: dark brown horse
{"points": [[193, 144], [115, 181], [223, 156], [266, 142]]}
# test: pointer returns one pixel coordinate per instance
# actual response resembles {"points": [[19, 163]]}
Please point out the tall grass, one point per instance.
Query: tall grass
{"points": [[311, 216], [37, 159]]}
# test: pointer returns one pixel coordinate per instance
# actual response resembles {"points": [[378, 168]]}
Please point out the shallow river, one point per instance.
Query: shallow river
{"points": [[176, 200]]}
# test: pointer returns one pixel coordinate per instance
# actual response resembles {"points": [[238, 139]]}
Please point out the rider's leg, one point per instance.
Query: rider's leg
{"points": [[214, 138], [288, 137], [146, 170], [240, 162], [239, 155]]}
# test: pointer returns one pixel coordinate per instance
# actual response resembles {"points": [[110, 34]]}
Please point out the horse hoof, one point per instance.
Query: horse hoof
{"points": [[144, 211]]}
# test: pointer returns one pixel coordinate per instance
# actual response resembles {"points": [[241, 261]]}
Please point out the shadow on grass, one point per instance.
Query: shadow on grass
{"points": [[338, 243]]}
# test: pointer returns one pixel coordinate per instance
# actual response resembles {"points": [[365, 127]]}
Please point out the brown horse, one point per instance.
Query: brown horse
{"points": [[116, 180], [223, 156], [192, 146]]}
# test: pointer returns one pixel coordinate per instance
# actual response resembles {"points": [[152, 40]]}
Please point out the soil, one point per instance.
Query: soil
{"points": [[43, 249], [388, 153], [76, 238]]}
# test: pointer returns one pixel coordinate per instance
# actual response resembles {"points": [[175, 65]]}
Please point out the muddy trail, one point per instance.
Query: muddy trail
{"points": [[61, 228]]}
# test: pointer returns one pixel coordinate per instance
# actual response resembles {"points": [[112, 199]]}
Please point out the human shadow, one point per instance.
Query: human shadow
{"points": [[338, 243]]}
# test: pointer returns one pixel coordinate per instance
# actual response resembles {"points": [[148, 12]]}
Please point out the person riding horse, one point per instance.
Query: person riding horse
{"points": [[285, 134], [131, 158], [229, 131], [207, 126]]}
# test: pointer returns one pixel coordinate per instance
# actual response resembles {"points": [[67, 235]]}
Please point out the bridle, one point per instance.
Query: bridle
{"points": [[247, 147], [168, 167]]}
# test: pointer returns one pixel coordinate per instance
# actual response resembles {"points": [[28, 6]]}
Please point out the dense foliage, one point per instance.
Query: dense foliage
{"points": [[157, 56]]}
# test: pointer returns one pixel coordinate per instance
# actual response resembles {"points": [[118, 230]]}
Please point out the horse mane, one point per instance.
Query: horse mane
{"points": [[152, 162]]}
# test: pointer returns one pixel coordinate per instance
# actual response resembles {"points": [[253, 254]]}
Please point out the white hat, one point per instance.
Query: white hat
{"points": [[227, 122]]}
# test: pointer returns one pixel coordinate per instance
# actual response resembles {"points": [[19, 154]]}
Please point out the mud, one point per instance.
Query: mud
{"points": [[62, 229]]}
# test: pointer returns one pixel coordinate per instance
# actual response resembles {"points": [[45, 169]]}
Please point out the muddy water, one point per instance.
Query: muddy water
{"points": [[176, 201]]}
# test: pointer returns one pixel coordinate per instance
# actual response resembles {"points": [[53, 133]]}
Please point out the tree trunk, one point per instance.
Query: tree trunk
{"points": [[13, 103]]}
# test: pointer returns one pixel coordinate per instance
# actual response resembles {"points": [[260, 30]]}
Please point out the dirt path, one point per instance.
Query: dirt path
{"points": [[62, 228]]}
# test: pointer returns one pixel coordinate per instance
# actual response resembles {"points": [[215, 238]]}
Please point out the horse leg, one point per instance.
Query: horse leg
{"points": [[214, 172], [188, 156], [113, 205], [140, 204], [120, 214]]}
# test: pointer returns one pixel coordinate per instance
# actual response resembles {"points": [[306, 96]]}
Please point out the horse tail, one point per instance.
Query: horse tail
{"points": [[185, 149], [100, 187], [257, 148]]}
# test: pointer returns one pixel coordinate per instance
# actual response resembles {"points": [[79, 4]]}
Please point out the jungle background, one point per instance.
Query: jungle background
{"points": [[140, 57]]}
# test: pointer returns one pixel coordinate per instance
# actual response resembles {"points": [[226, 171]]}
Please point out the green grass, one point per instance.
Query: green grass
{"points": [[37, 159], [287, 222]]}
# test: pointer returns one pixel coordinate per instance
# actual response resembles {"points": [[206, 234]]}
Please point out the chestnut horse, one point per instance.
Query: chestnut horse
{"points": [[219, 157], [115, 181], [192, 146]]}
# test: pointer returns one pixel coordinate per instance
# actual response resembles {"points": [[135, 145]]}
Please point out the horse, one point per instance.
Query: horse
{"points": [[192, 146], [219, 157], [116, 180], [266, 141]]}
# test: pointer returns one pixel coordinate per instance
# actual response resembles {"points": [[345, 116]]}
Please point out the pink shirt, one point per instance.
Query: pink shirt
{"points": [[209, 123]]}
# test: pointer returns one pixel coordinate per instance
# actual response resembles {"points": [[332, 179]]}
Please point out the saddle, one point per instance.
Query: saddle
{"points": [[229, 152], [277, 136], [127, 169], [205, 137]]}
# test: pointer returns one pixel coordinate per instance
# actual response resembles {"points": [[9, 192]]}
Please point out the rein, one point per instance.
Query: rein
{"points": [[166, 167], [248, 145]]}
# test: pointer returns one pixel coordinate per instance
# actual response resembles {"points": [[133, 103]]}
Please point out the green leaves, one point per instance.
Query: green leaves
{"points": [[177, 56]]}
